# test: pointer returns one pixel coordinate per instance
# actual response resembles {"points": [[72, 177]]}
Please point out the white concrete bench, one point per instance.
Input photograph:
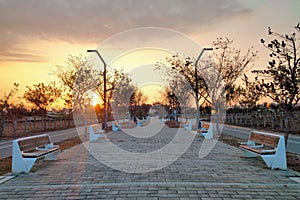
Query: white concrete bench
{"points": [[95, 132], [206, 130], [139, 122], [188, 126], [115, 126], [27, 150], [270, 147]]}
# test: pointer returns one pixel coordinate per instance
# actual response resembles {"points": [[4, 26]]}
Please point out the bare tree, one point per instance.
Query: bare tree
{"points": [[230, 61], [113, 77], [5, 105], [218, 71], [281, 80], [250, 94], [77, 78], [137, 100], [67, 75], [41, 95], [121, 96], [178, 95], [177, 66]]}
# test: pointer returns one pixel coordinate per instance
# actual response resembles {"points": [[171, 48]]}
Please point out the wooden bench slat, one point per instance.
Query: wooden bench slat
{"points": [[206, 126], [38, 153], [258, 150], [32, 143], [264, 139]]}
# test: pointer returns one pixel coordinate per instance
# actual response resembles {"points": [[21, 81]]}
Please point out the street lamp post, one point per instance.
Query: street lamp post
{"points": [[196, 77], [104, 125]]}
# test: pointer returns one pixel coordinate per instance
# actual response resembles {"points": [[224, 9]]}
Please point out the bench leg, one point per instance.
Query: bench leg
{"points": [[19, 164], [274, 162], [268, 160], [210, 133], [29, 163], [23, 165], [95, 137], [188, 127], [206, 134], [52, 155], [115, 128]]}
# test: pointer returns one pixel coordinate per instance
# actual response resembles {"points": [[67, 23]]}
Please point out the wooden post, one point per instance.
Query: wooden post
{"points": [[13, 118], [15, 126], [293, 121], [55, 123], [281, 121], [286, 122], [272, 119], [265, 121], [44, 123], [60, 122], [241, 118], [25, 125], [2, 125], [34, 123]]}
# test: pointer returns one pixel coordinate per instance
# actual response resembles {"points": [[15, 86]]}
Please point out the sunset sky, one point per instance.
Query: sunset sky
{"points": [[36, 35]]}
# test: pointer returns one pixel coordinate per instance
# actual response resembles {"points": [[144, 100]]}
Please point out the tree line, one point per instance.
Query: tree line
{"points": [[76, 75], [279, 82]]}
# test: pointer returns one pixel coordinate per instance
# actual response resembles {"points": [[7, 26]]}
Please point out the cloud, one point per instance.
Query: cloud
{"points": [[78, 21], [23, 57]]}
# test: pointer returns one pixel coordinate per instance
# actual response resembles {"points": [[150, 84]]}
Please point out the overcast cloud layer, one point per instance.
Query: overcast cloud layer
{"points": [[93, 21]]}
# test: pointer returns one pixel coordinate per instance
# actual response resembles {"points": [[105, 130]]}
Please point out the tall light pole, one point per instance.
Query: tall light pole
{"points": [[196, 77], [104, 125]]}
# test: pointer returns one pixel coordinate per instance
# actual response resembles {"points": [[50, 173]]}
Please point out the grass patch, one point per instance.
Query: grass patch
{"points": [[66, 144], [5, 165]]}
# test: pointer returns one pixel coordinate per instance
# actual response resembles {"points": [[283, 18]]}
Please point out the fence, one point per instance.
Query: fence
{"points": [[272, 120], [28, 125]]}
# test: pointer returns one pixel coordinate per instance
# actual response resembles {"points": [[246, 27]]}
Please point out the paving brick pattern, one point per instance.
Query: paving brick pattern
{"points": [[222, 174]]}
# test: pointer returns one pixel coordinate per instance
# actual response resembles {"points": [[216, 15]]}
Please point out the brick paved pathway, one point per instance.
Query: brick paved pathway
{"points": [[222, 174]]}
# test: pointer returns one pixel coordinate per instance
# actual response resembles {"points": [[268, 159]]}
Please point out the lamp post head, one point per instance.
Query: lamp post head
{"points": [[91, 50], [97, 52], [204, 49]]}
